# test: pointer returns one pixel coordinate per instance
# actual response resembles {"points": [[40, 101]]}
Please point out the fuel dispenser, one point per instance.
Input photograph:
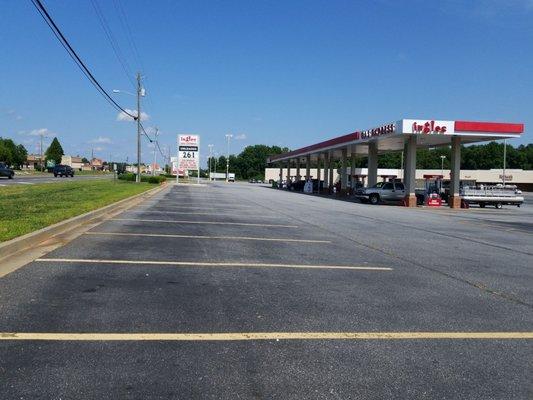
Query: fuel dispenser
{"points": [[432, 190]]}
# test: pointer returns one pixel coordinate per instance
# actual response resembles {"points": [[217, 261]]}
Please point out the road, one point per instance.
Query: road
{"points": [[35, 179], [234, 291]]}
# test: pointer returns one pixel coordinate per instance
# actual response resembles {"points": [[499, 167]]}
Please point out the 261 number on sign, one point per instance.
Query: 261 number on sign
{"points": [[188, 154]]}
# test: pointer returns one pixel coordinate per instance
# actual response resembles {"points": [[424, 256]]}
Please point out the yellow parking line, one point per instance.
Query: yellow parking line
{"points": [[211, 264], [266, 336], [205, 222], [208, 237]]}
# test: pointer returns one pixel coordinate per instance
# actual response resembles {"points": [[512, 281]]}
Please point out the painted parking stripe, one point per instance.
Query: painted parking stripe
{"points": [[201, 207], [290, 240], [25, 183], [237, 336], [210, 264], [220, 213], [204, 222]]}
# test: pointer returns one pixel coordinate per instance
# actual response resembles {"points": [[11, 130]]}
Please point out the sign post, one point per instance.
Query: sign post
{"points": [[188, 154]]}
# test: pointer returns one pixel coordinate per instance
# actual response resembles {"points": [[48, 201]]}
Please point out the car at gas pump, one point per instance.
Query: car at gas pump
{"points": [[382, 191]]}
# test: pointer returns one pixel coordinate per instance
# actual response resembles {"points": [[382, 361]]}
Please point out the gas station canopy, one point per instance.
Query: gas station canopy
{"points": [[392, 136]]}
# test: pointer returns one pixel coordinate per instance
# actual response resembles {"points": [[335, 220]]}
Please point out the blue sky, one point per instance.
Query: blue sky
{"points": [[286, 73]]}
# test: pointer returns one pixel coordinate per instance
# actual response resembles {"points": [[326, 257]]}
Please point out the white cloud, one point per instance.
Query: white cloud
{"points": [[98, 148], [125, 117], [13, 114], [101, 139], [42, 131], [242, 136]]}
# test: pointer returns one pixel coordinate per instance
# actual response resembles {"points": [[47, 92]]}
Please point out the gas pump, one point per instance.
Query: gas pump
{"points": [[433, 190]]}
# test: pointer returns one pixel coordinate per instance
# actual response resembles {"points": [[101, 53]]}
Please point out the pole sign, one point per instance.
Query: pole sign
{"points": [[188, 153]]}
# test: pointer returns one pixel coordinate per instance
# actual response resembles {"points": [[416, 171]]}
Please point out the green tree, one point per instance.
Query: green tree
{"points": [[54, 152], [221, 164], [250, 163], [12, 154]]}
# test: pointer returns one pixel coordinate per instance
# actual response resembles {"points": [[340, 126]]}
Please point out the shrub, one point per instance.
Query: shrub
{"points": [[129, 177]]}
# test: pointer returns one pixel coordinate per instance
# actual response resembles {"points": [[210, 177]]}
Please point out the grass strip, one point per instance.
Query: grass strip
{"points": [[25, 208]]}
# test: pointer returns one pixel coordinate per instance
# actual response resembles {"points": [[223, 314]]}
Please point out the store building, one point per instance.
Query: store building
{"points": [[404, 135]]}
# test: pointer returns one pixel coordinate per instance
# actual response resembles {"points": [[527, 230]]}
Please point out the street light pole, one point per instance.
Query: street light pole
{"points": [[442, 165], [209, 160], [228, 137]]}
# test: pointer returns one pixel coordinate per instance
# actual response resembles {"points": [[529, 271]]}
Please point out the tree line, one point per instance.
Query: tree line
{"points": [[483, 156], [249, 164], [16, 155]]}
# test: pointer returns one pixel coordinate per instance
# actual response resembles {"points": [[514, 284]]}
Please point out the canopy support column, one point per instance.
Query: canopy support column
{"points": [[410, 171], [318, 172], [372, 164], [352, 173], [331, 170], [288, 173], [344, 166], [455, 199], [308, 167], [326, 172]]}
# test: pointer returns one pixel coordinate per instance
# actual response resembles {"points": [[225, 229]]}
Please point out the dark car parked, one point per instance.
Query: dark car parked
{"points": [[6, 171], [63, 170]]}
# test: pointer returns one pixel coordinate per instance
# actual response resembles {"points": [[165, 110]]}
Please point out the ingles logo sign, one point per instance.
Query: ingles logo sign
{"points": [[188, 139], [382, 130], [429, 127]]}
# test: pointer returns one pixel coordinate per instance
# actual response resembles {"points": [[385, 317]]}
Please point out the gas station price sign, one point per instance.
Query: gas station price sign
{"points": [[188, 152]]}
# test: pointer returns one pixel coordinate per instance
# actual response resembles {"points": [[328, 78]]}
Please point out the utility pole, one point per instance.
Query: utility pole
{"points": [[169, 162], [42, 163], [228, 137], [210, 159], [155, 148], [138, 177]]}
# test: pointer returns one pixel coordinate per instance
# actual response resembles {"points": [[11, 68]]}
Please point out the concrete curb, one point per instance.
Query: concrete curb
{"points": [[32, 239]]}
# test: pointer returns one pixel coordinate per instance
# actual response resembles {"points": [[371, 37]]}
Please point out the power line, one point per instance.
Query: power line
{"points": [[72, 53], [111, 39], [123, 18], [126, 27], [145, 133]]}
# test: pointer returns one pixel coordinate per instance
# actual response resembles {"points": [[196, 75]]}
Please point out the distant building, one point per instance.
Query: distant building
{"points": [[33, 161], [97, 164], [74, 162], [153, 169]]}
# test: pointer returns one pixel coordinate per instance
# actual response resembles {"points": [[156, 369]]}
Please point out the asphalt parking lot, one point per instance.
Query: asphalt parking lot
{"points": [[229, 291]]}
